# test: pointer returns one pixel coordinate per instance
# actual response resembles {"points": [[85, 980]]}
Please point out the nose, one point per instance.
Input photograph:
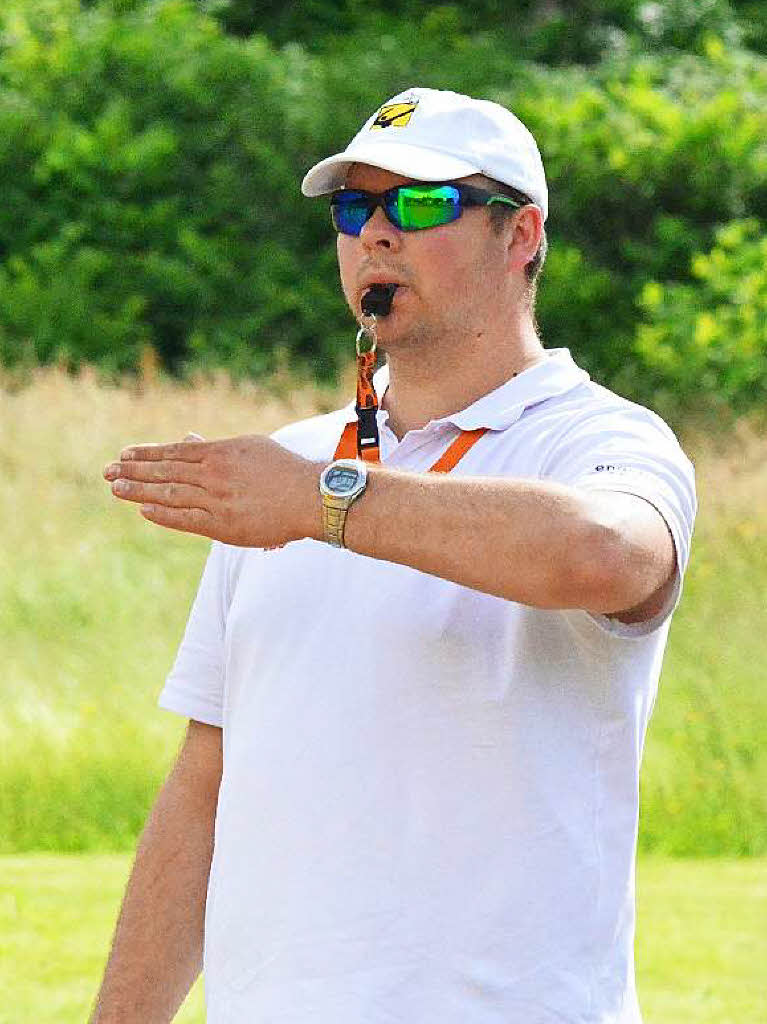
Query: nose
{"points": [[379, 233]]}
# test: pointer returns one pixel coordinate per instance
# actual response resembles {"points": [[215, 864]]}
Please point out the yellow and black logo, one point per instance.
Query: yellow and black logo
{"points": [[394, 115]]}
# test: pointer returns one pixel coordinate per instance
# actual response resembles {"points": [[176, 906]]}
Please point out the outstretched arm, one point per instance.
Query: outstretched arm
{"points": [[540, 543]]}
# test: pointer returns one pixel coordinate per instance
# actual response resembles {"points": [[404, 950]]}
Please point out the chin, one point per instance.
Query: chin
{"points": [[408, 336]]}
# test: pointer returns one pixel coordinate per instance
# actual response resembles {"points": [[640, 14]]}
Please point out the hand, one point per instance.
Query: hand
{"points": [[248, 491]]}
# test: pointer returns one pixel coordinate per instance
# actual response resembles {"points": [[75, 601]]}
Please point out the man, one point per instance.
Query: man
{"points": [[432, 703]]}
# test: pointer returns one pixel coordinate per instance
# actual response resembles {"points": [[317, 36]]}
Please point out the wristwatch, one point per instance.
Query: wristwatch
{"points": [[341, 483]]}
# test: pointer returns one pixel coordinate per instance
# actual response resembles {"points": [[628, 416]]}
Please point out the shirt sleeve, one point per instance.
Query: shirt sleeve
{"points": [[195, 685], [633, 451]]}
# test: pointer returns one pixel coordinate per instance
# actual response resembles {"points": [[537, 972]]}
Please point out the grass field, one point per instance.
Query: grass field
{"points": [[93, 602], [701, 944]]}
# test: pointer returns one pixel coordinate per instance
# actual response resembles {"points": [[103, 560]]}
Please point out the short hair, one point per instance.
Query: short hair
{"points": [[499, 212]]}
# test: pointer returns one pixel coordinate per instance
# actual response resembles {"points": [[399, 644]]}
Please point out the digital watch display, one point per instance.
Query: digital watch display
{"points": [[340, 480]]}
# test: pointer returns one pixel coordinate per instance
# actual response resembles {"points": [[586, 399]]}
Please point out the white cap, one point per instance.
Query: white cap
{"points": [[433, 135]]}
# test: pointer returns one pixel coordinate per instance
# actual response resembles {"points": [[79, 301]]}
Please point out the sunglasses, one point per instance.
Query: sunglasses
{"points": [[409, 207]]}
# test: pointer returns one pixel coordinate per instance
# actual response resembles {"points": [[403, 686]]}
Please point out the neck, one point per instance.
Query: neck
{"points": [[426, 385]]}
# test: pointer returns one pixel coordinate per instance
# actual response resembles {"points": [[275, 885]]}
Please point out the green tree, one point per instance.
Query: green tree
{"points": [[151, 164], [556, 32]]}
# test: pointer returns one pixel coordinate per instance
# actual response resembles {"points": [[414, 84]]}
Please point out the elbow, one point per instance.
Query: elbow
{"points": [[612, 572]]}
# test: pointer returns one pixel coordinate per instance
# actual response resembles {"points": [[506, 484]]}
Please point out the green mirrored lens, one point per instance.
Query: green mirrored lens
{"points": [[422, 207]]}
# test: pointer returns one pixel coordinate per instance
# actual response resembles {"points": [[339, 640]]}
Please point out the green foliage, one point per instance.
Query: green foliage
{"points": [[710, 337], [154, 194], [151, 164], [752, 19], [642, 176], [555, 33]]}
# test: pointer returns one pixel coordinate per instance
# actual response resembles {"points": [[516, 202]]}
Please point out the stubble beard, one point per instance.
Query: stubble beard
{"points": [[429, 339], [421, 337]]}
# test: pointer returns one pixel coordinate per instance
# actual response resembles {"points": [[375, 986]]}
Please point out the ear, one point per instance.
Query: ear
{"points": [[525, 232]]}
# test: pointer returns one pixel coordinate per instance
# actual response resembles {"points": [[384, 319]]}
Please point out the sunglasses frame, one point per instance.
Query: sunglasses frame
{"points": [[468, 195]]}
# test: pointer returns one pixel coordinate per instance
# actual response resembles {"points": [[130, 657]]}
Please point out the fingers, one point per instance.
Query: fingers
{"points": [[164, 478], [183, 451], [173, 494], [190, 520], [154, 472], [176, 470]]}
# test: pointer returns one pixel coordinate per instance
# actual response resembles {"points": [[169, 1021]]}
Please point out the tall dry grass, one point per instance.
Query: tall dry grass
{"points": [[93, 601]]}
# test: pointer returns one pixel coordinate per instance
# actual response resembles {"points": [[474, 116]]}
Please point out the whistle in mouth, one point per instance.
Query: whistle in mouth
{"points": [[377, 299]]}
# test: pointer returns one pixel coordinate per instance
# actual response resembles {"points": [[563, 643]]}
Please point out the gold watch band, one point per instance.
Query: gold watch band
{"points": [[333, 520]]}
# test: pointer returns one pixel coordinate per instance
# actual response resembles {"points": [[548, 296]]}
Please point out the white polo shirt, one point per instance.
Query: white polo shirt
{"points": [[428, 811]]}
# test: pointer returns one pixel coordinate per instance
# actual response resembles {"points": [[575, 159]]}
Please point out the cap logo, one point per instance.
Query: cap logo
{"points": [[394, 115]]}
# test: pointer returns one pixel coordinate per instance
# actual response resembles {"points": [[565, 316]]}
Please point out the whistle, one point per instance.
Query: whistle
{"points": [[377, 299]]}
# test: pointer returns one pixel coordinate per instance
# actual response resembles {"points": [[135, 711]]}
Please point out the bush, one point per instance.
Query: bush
{"points": [[152, 165], [709, 339]]}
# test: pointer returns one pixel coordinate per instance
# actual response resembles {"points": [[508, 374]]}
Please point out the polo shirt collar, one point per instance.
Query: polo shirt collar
{"points": [[553, 376]]}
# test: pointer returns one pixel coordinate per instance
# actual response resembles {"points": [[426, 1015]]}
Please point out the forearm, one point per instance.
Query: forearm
{"points": [[157, 947], [535, 542], [531, 541]]}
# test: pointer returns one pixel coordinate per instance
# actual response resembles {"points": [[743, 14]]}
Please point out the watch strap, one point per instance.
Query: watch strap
{"points": [[334, 520]]}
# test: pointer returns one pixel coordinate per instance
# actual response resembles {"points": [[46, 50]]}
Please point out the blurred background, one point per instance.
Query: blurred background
{"points": [[160, 272]]}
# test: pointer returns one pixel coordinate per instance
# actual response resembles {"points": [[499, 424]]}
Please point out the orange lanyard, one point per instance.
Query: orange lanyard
{"points": [[347, 448], [366, 443], [359, 439]]}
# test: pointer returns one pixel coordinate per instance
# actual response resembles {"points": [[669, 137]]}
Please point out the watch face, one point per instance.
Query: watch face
{"points": [[341, 480]]}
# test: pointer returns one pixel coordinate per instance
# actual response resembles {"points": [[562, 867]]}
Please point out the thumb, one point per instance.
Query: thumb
{"points": [[191, 436]]}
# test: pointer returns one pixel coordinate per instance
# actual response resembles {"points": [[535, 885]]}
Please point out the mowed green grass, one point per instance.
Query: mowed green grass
{"points": [[701, 938], [57, 916], [93, 601]]}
